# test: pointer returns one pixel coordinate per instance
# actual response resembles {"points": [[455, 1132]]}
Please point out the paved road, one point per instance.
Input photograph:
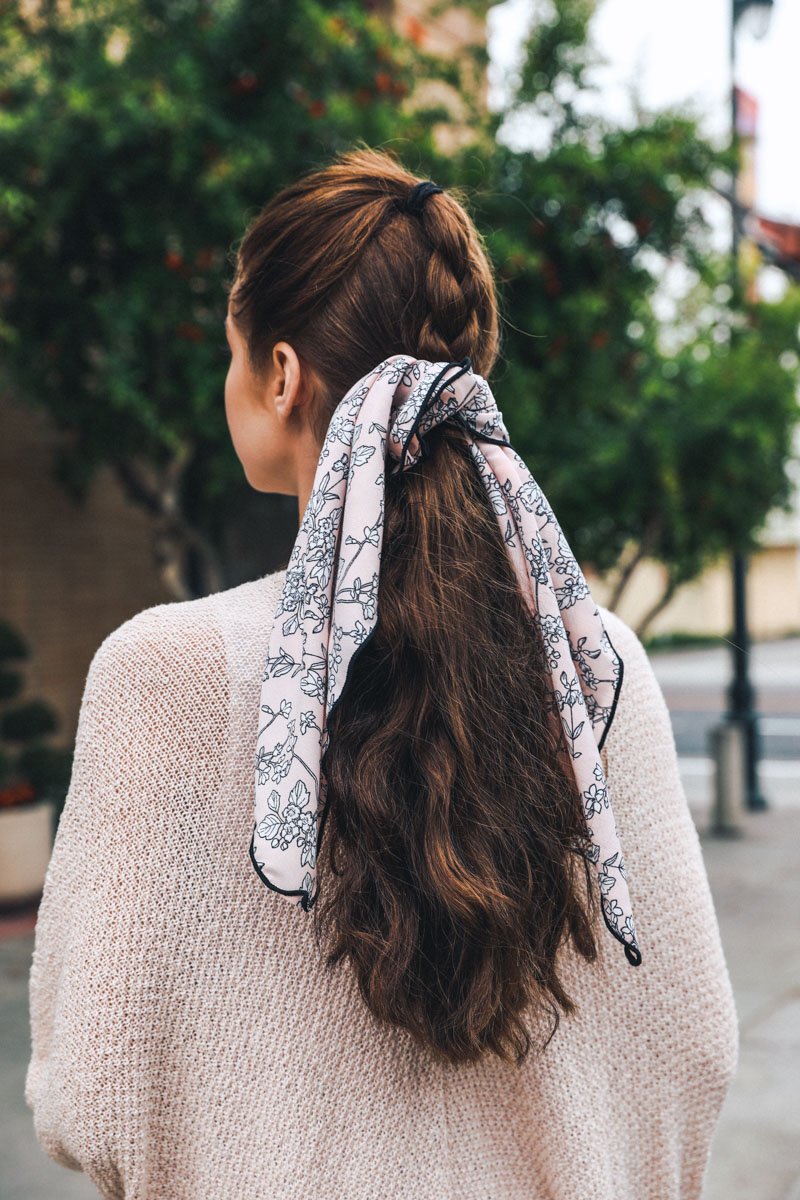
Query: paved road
{"points": [[756, 888], [779, 734], [27, 1173], [774, 670], [695, 685]]}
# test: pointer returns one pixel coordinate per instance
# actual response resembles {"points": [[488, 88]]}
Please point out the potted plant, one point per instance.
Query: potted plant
{"points": [[34, 778]]}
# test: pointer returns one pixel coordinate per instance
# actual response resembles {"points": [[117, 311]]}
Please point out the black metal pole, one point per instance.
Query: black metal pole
{"points": [[740, 692]]}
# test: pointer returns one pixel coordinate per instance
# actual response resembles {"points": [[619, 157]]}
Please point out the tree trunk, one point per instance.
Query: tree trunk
{"points": [[655, 609], [158, 491], [647, 541]]}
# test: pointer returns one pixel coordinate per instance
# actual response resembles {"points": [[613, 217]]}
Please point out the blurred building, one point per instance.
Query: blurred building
{"points": [[69, 573], [705, 606], [457, 33]]}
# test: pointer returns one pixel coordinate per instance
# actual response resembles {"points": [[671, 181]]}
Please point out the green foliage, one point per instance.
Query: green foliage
{"points": [[29, 768], [678, 454], [9, 685], [13, 646], [718, 434], [49, 770], [138, 137], [27, 721]]}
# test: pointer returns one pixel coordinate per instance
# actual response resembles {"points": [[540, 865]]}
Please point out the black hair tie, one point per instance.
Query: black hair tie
{"points": [[417, 196]]}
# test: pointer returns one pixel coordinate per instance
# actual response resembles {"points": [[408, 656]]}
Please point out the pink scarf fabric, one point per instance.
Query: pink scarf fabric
{"points": [[329, 607]]}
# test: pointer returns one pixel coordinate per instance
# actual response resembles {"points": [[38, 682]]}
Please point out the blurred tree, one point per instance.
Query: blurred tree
{"points": [[30, 768], [708, 460], [651, 437], [137, 137]]}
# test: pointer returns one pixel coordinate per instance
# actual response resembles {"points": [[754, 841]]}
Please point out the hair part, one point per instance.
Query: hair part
{"points": [[453, 864]]}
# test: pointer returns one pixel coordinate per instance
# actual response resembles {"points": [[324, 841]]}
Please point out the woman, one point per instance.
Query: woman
{"points": [[428, 1000]]}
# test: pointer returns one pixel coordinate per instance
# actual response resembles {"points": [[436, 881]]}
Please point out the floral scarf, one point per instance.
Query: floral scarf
{"points": [[329, 606]]}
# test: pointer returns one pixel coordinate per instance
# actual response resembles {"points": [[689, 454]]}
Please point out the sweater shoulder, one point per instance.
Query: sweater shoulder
{"points": [[637, 669], [172, 667], [180, 633], [161, 689], [624, 639]]}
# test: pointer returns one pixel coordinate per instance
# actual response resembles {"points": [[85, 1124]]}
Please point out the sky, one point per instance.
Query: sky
{"points": [[676, 52]]}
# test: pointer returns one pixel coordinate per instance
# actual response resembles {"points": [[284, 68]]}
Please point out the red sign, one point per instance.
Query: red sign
{"points": [[746, 113]]}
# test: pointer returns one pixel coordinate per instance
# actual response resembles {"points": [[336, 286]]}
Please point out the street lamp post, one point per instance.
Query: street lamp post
{"points": [[740, 693]]}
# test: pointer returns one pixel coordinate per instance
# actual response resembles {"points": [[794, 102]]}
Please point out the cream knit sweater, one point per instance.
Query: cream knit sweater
{"points": [[189, 1045]]}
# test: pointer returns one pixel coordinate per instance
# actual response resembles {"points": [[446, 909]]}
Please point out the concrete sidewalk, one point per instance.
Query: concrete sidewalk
{"points": [[756, 888]]}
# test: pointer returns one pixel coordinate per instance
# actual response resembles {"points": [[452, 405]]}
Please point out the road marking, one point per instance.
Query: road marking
{"points": [[770, 768], [780, 726]]}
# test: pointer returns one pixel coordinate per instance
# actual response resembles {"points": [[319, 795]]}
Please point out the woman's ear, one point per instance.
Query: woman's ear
{"points": [[292, 383], [284, 380]]}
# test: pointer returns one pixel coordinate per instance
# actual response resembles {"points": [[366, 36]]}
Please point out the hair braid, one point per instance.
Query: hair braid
{"points": [[454, 284]]}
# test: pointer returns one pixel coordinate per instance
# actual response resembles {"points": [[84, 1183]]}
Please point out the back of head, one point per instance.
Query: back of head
{"points": [[455, 837]]}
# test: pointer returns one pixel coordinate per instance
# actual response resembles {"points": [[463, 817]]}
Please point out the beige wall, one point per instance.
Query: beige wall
{"points": [[775, 591], [705, 606], [69, 574]]}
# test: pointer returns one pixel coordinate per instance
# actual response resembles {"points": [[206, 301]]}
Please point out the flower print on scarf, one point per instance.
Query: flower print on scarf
{"points": [[292, 823], [595, 798], [276, 763], [329, 609], [313, 683], [363, 593], [308, 720], [581, 657], [613, 911], [551, 633], [291, 600]]}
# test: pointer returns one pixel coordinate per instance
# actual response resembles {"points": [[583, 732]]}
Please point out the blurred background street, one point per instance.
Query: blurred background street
{"points": [[633, 171], [694, 684], [756, 889]]}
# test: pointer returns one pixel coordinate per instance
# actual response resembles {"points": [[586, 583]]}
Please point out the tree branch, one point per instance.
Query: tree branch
{"points": [[655, 609], [646, 543], [158, 492]]}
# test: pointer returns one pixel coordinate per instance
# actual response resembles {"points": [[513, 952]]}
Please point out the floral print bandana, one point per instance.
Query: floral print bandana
{"points": [[329, 607]]}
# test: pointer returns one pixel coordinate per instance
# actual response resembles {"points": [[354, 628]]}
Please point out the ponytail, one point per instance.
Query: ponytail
{"points": [[455, 833]]}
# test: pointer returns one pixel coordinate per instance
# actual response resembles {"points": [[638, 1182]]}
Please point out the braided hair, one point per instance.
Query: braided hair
{"points": [[338, 266]]}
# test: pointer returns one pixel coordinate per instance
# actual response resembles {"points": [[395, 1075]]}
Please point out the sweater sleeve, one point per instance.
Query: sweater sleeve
{"points": [[676, 920], [151, 729]]}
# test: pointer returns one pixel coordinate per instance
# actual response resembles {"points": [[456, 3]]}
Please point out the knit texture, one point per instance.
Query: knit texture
{"points": [[188, 1042]]}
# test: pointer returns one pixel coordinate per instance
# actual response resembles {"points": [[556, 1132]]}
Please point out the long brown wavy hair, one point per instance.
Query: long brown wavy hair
{"points": [[455, 838]]}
